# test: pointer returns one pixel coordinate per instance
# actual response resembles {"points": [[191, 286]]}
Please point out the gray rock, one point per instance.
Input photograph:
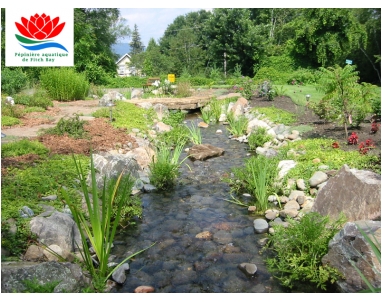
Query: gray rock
{"points": [[295, 193], [119, 274], [49, 197], [249, 269], [26, 212], [149, 188], [356, 193], [317, 178], [161, 111], [300, 184], [69, 276], [285, 166], [349, 244], [59, 229], [261, 226]]}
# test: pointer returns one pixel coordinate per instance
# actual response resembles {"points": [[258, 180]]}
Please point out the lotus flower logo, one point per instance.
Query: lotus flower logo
{"points": [[37, 31]]}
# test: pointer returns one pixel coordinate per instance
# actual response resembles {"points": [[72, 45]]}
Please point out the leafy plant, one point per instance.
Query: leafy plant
{"points": [[164, 169], [175, 118], [297, 250], [206, 114], [179, 134], [39, 98], [12, 80], [245, 87], [101, 227], [365, 147], [258, 138], [374, 127], [195, 134], [9, 121], [73, 127], [22, 147], [34, 286], [353, 139]]}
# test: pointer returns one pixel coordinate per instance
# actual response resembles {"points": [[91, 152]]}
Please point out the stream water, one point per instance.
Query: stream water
{"points": [[181, 263]]}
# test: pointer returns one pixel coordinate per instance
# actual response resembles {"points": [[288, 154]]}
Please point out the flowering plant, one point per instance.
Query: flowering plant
{"points": [[246, 88], [335, 145], [353, 139], [40, 27], [366, 146], [374, 127]]}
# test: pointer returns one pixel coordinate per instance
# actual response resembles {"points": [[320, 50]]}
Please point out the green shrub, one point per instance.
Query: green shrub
{"points": [[12, 80], [39, 98], [9, 121], [297, 251], [258, 138], [22, 147], [175, 118], [198, 81], [15, 111], [64, 84], [73, 127], [179, 134], [272, 74], [246, 87], [303, 76]]}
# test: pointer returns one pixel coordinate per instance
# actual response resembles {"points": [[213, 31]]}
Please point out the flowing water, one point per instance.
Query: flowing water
{"points": [[181, 263]]}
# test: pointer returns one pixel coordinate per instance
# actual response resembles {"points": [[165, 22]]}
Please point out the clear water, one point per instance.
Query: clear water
{"points": [[181, 263]]}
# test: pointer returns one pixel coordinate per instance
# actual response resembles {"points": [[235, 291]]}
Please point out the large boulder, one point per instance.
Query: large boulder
{"points": [[112, 165], [204, 151], [350, 244], [356, 193], [69, 276], [58, 229]]}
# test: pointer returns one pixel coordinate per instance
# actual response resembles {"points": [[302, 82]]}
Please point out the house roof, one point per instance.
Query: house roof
{"points": [[124, 56]]}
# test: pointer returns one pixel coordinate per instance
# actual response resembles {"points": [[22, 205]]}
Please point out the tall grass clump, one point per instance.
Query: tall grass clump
{"points": [[64, 84], [100, 225], [257, 178], [183, 89], [237, 125], [195, 134], [164, 167]]}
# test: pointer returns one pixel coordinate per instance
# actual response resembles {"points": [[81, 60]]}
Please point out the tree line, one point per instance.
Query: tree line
{"points": [[231, 40]]}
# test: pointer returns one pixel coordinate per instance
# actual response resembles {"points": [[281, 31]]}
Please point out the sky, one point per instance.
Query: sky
{"points": [[152, 22]]}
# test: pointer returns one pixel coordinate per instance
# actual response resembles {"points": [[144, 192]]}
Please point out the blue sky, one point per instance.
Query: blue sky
{"points": [[152, 22]]}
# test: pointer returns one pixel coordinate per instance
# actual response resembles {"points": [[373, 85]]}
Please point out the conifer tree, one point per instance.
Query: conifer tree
{"points": [[136, 45]]}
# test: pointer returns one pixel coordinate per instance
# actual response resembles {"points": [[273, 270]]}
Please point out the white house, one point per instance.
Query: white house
{"points": [[122, 68]]}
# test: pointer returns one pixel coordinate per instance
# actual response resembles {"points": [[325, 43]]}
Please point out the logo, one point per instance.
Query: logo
{"points": [[40, 29], [39, 37]]}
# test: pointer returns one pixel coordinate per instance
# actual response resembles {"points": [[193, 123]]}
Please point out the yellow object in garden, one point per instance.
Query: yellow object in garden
{"points": [[171, 77]]}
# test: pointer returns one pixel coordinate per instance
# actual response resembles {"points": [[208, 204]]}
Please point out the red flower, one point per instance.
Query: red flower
{"points": [[353, 139], [335, 145], [40, 27]]}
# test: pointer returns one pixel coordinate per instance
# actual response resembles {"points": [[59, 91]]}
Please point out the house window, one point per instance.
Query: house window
{"points": [[121, 70]]}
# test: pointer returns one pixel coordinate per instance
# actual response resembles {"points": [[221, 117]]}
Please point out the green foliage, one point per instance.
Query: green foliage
{"points": [[64, 84], [22, 147], [164, 168], [33, 109], [175, 118], [246, 87], [195, 134], [258, 138], [127, 206], [39, 98], [271, 73], [376, 106], [297, 251], [303, 76], [276, 115], [102, 112], [101, 225], [347, 100], [334, 158], [128, 115], [126, 82], [34, 286], [12, 80], [199, 81], [16, 242], [237, 126], [9, 121], [73, 127], [257, 178], [15, 111], [179, 134]]}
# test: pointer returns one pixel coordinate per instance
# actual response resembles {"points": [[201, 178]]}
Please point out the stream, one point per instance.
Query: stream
{"points": [[181, 263]]}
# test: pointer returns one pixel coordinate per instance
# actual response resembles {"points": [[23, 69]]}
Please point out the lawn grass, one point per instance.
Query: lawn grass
{"points": [[298, 93]]}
